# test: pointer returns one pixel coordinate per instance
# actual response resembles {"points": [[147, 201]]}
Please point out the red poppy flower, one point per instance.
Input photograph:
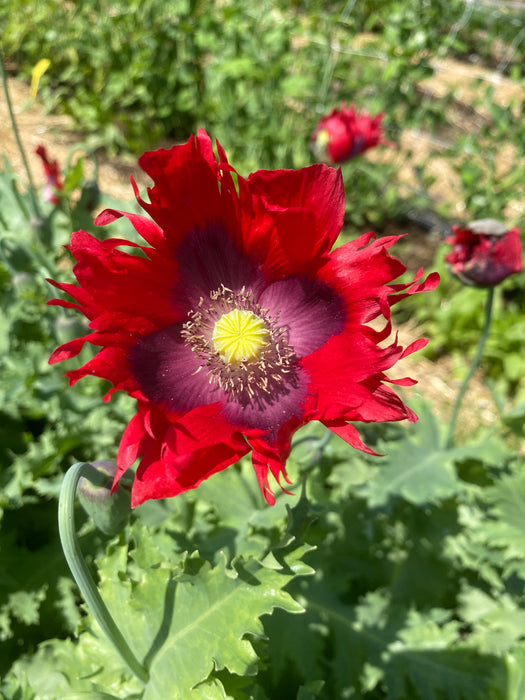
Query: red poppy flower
{"points": [[485, 253], [344, 134], [235, 325], [53, 181]]}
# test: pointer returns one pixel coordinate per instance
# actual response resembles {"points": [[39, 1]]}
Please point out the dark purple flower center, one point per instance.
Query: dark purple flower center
{"points": [[240, 346], [241, 340]]}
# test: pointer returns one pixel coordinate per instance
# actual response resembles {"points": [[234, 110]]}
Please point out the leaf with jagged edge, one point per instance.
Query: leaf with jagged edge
{"points": [[23, 606], [468, 550], [16, 689], [67, 603], [183, 620], [432, 629], [506, 527], [415, 654], [187, 622], [211, 610], [415, 468], [297, 647], [242, 520], [454, 673], [61, 668], [497, 624], [428, 662], [353, 636], [419, 469]]}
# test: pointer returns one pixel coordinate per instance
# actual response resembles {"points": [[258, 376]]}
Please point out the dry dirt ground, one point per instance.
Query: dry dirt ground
{"points": [[56, 133], [438, 382]]}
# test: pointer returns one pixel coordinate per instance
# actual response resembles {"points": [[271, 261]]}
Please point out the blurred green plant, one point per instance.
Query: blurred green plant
{"points": [[133, 75], [43, 427], [418, 591]]}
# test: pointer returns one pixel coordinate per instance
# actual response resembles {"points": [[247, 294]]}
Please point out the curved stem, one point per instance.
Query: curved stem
{"points": [[79, 569], [34, 202], [473, 367], [318, 447]]}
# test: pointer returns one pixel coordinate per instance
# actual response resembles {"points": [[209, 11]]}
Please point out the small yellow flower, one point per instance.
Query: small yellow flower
{"points": [[37, 72]]}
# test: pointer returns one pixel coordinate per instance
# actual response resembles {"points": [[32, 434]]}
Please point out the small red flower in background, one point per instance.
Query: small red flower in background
{"points": [[485, 253], [344, 134], [53, 181], [236, 325]]}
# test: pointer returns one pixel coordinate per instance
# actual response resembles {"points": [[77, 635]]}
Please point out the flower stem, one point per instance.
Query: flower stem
{"points": [[473, 367], [34, 201], [319, 443], [330, 64], [79, 569]]}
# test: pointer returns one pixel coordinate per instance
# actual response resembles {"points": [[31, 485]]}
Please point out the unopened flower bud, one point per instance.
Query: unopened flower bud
{"points": [[53, 180], [89, 196], [109, 512], [485, 252], [344, 134]]}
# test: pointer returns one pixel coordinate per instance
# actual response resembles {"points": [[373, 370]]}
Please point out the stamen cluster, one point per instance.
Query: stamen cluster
{"points": [[250, 378]]}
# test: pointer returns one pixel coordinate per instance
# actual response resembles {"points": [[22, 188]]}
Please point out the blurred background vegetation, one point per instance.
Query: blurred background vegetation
{"points": [[447, 74]]}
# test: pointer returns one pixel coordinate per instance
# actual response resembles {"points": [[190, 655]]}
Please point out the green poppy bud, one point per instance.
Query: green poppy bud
{"points": [[108, 511]]}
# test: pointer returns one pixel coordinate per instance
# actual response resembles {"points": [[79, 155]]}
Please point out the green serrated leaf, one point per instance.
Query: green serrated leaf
{"points": [[213, 610], [25, 605], [67, 602], [497, 624], [89, 669], [507, 508], [416, 468], [183, 618], [419, 469], [360, 633], [241, 511], [17, 689], [432, 629], [457, 674]]}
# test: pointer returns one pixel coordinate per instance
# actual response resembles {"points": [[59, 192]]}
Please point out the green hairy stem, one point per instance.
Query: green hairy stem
{"points": [[79, 569], [473, 367]]}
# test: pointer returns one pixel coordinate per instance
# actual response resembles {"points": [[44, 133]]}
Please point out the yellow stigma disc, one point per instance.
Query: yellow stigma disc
{"points": [[239, 335]]}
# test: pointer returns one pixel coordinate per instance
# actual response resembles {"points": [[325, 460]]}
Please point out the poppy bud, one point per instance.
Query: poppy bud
{"points": [[89, 196], [484, 253], [109, 512], [344, 134], [53, 180]]}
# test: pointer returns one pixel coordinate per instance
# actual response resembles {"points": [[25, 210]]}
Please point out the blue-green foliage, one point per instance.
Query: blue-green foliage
{"points": [[393, 608], [418, 557], [411, 597]]}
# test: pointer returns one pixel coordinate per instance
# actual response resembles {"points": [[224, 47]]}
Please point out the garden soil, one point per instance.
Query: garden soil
{"points": [[438, 380]]}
